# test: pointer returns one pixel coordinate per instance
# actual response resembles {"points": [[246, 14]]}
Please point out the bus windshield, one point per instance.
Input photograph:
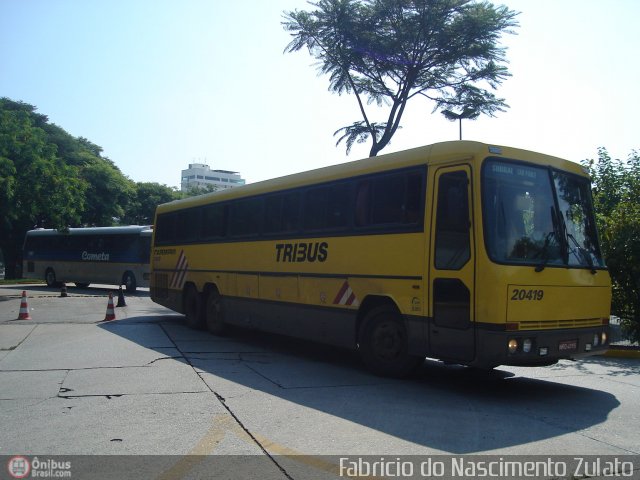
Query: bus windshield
{"points": [[538, 216]]}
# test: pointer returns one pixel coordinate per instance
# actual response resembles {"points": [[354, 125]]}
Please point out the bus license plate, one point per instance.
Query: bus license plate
{"points": [[568, 345]]}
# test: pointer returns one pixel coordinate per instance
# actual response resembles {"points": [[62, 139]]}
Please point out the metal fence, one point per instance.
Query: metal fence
{"points": [[618, 338]]}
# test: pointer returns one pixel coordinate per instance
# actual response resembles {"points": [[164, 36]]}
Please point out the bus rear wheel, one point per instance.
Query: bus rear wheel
{"points": [[193, 308], [214, 315], [129, 282], [50, 278], [383, 343]]}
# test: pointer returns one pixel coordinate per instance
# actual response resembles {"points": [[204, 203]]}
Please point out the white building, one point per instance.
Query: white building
{"points": [[201, 175]]}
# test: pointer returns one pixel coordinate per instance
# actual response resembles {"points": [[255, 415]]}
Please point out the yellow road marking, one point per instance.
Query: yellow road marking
{"points": [[224, 423], [207, 444]]}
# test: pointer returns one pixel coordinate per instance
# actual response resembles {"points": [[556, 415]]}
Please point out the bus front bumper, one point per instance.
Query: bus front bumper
{"points": [[539, 347]]}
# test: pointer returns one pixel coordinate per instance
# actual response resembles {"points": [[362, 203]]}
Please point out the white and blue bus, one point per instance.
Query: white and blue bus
{"points": [[109, 255]]}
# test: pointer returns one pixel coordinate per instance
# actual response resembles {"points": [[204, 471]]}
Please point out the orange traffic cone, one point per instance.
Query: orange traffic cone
{"points": [[111, 315], [24, 309]]}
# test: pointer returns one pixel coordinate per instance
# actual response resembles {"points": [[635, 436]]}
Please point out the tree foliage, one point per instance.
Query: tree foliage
{"points": [[142, 205], [37, 188], [109, 194], [386, 52], [616, 196]]}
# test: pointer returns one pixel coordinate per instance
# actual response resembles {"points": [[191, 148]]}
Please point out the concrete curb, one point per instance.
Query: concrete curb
{"points": [[623, 352]]}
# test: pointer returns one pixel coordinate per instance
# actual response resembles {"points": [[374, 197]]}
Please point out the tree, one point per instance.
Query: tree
{"points": [[387, 52], [109, 194], [469, 113], [616, 198], [142, 207], [195, 190], [108, 190], [37, 189]]}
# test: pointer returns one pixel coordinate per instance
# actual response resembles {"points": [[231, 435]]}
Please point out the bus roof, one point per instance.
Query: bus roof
{"points": [[126, 230], [435, 154]]}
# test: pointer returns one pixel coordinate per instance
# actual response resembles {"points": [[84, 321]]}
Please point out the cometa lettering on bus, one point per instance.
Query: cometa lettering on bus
{"points": [[95, 257]]}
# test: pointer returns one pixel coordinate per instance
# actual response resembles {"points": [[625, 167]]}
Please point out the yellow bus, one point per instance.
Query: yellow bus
{"points": [[465, 252]]}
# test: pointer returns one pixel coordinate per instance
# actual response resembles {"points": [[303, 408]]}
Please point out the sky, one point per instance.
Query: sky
{"points": [[159, 84]]}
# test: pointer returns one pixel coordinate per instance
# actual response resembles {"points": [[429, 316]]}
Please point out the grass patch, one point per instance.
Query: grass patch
{"points": [[21, 281]]}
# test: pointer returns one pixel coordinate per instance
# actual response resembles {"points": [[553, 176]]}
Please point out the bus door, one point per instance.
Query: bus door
{"points": [[452, 264]]}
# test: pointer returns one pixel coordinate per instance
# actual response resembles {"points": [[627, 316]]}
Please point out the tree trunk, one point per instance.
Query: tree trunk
{"points": [[12, 262], [375, 149]]}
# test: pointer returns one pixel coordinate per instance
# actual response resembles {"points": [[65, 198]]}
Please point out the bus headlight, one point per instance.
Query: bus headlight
{"points": [[596, 340], [526, 345], [513, 346], [604, 338]]}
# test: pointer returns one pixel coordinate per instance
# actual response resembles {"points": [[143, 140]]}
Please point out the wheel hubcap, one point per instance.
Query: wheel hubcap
{"points": [[387, 341]]}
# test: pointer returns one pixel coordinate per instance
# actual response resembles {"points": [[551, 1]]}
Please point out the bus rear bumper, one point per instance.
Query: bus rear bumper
{"points": [[539, 347]]}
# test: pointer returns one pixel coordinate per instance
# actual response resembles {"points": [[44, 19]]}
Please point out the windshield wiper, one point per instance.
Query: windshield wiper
{"points": [[583, 253], [544, 251], [545, 247], [581, 250], [562, 228]]}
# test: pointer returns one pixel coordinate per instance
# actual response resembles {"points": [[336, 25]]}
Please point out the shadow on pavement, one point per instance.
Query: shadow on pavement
{"points": [[443, 407]]}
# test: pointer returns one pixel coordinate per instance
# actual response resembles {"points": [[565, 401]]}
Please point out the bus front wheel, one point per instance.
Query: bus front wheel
{"points": [[193, 307], [214, 314], [383, 343]]}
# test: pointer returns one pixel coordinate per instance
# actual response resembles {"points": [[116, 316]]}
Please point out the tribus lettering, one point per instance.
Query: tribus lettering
{"points": [[302, 252]]}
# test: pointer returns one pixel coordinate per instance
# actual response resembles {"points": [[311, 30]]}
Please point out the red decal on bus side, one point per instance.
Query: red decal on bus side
{"points": [[346, 296]]}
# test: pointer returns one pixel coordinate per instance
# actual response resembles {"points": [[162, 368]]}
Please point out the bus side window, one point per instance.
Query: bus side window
{"points": [[315, 207], [245, 217], [213, 222], [282, 213], [58, 243], [188, 223], [413, 200], [392, 200], [291, 212], [273, 214], [166, 228], [78, 243], [363, 203], [327, 207], [129, 245], [388, 199]]}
